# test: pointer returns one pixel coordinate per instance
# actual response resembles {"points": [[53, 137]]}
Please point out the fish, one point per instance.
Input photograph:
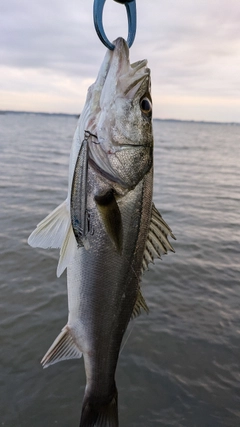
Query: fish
{"points": [[108, 228]]}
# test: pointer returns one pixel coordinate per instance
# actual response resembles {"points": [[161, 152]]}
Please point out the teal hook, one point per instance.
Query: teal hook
{"points": [[132, 21]]}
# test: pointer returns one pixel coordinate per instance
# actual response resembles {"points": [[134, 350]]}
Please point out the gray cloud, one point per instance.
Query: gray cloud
{"points": [[41, 35], [193, 47]]}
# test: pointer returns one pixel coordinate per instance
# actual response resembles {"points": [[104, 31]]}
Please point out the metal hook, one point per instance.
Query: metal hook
{"points": [[132, 21]]}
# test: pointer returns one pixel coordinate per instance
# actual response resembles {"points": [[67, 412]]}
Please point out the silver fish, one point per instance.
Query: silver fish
{"points": [[108, 229]]}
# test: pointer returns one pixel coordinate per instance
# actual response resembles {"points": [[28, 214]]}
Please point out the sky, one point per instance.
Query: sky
{"points": [[50, 54]]}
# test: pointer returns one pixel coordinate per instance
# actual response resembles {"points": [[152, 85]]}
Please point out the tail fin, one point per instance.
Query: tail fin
{"points": [[95, 413]]}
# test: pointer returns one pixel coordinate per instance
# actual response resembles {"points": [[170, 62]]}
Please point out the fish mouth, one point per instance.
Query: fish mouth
{"points": [[130, 76], [116, 77], [117, 68], [121, 54]]}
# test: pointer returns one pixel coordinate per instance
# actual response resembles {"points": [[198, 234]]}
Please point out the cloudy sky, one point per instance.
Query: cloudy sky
{"points": [[50, 54]]}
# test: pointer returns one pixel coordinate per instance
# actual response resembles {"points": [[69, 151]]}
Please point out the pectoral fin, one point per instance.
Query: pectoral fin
{"points": [[111, 217], [55, 231], [52, 230]]}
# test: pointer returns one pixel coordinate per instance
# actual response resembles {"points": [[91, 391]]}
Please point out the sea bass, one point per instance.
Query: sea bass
{"points": [[108, 228]]}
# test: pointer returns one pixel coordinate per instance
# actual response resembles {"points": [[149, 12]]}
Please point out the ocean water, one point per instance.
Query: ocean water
{"points": [[181, 363]]}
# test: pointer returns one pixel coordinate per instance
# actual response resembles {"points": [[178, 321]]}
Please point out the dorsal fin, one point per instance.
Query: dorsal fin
{"points": [[157, 242], [140, 303]]}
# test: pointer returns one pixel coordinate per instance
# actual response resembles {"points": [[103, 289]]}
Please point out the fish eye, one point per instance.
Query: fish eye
{"points": [[146, 106]]}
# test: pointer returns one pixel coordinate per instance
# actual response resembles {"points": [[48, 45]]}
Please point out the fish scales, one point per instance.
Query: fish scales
{"points": [[108, 229]]}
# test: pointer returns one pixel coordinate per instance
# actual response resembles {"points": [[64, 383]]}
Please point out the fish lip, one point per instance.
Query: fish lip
{"points": [[121, 48], [122, 52]]}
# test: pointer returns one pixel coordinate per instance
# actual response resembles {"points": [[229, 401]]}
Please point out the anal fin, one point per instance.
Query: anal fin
{"points": [[64, 347]]}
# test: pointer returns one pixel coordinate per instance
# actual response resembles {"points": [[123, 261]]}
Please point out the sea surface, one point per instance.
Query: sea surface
{"points": [[181, 363]]}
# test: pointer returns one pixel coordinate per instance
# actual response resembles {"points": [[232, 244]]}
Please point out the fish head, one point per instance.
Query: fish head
{"points": [[123, 117]]}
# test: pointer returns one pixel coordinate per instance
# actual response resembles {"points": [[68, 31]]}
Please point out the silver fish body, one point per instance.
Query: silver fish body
{"points": [[102, 296], [108, 228]]}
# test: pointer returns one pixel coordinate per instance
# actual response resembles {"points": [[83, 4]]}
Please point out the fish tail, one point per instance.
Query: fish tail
{"points": [[98, 412]]}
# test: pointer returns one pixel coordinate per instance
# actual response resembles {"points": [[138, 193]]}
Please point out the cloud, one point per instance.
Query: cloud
{"points": [[42, 34], [193, 49]]}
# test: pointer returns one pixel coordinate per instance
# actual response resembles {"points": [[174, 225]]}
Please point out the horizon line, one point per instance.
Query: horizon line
{"points": [[2, 112]]}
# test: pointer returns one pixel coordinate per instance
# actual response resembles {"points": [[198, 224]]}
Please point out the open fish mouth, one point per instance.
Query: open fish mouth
{"points": [[119, 70]]}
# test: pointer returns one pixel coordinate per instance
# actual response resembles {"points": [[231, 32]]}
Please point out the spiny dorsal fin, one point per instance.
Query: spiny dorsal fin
{"points": [[111, 217], [157, 242], [140, 303], [63, 348]]}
